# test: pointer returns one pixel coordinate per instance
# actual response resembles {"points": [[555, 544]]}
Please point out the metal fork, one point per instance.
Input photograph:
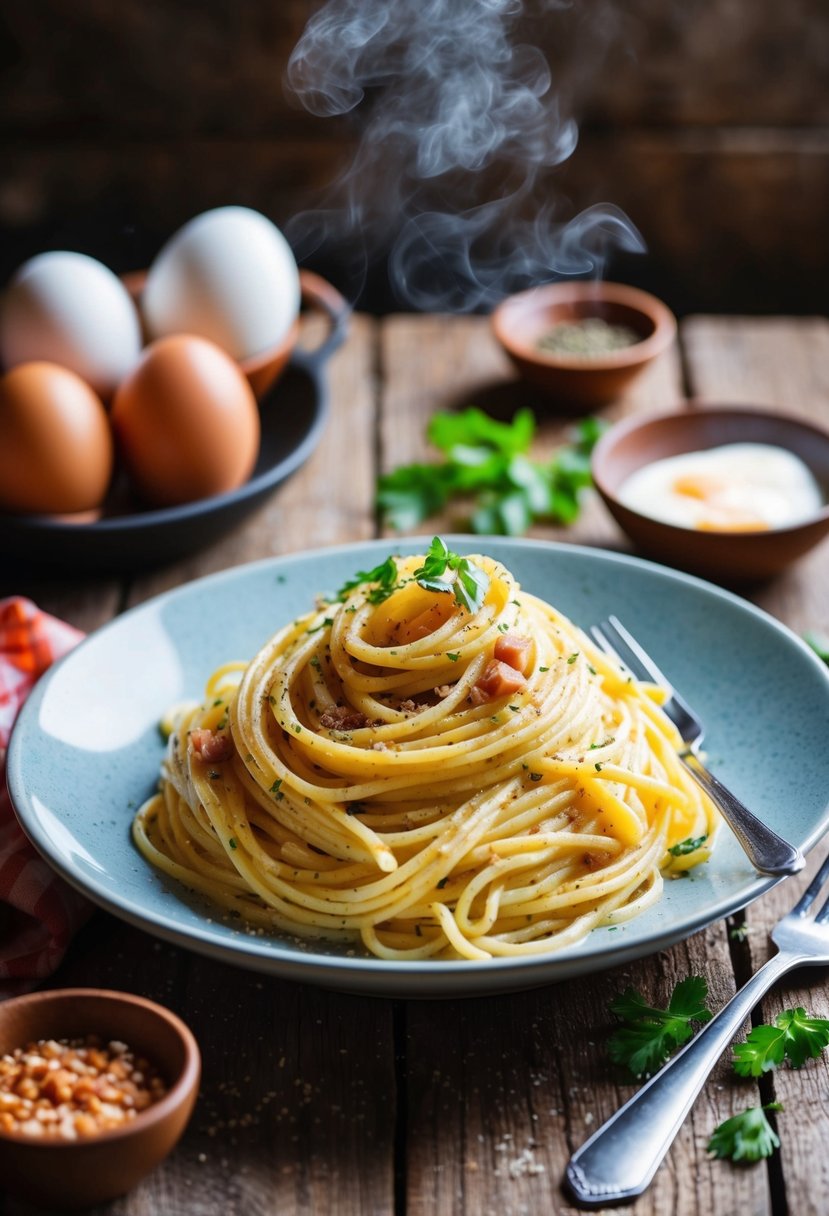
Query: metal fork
{"points": [[767, 852], [619, 1160]]}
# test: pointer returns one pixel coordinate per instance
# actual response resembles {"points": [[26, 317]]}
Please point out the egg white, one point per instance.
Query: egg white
{"points": [[754, 481]]}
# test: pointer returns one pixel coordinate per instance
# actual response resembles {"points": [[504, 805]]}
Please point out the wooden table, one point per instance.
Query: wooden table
{"points": [[318, 1102]]}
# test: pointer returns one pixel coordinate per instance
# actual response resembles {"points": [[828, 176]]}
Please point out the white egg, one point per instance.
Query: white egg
{"points": [[738, 487], [228, 275], [70, 309]]}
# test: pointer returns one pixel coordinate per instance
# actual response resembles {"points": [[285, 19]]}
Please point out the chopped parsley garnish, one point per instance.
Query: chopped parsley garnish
{"points": [[543, 669], [597, 766], [443, 883], [488, 460], [746, 1137], [606, 743], [232, 843], [573, 658], [469, 584], [453, 655], [536, 776], [275, 787], [684, 847], [328, 620], [384, 575], [648, 1036]]}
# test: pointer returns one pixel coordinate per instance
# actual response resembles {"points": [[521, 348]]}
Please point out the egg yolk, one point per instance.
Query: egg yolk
{"points": [[738, 487]]}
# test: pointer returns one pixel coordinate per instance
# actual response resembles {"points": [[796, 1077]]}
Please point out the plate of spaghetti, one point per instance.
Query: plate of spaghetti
{"points": [[405, 769]]}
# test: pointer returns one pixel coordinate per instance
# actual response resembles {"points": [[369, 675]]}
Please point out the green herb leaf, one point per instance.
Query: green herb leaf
{"points": [[684, 847], [746, 1137], [470, 583], [795, 1037], [488, 460], [385, 575], [472, 427], [648, 1036], [819, 642]]}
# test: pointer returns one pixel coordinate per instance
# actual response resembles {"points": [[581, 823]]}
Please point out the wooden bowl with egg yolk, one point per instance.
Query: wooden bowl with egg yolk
{"points": [[733, 557]]}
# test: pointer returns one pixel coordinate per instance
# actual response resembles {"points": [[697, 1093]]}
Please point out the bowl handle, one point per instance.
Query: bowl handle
{"points": [[318, 294]]}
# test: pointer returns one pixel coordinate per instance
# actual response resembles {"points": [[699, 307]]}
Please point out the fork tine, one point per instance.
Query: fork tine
{"points": [[654, 673], [811, 893], [603, 643], [633, 646]]}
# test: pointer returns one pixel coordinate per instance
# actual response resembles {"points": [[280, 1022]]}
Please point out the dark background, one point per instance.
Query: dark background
{"points": [[707, 121]]}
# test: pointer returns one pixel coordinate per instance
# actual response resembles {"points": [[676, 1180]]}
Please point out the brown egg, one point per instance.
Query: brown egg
{"points": [[56, 448], [186, 422]]}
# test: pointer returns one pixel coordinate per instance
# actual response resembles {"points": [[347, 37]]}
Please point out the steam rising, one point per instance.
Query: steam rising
{"points": [[459, 129]]}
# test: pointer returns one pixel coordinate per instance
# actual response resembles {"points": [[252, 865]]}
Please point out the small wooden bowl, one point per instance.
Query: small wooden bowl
{"points": [[63, 1174], [582, 382], [732, 557]]}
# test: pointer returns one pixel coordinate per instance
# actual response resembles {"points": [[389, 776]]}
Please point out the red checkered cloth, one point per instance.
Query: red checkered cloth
{"points": [[39, 912]]}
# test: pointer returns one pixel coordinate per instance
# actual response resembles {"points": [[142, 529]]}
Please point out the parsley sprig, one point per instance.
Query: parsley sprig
{"points": [[384, 575], [445, 571], [648, 1036], [442, 571], [747, 1136], [795, 1037], [487, 461]]}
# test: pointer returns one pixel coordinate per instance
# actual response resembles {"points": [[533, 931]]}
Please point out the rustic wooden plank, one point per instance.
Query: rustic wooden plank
{"points": [[527, 1073], [734, 219], [781, 363], [511, 1085], [218, 67]]}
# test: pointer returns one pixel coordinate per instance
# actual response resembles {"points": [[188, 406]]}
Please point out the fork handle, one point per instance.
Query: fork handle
{"points": [[767, 852], [619, 1160]]}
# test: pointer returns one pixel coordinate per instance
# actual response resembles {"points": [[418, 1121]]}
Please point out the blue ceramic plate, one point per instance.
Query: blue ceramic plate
{"points": [[86, 749]]}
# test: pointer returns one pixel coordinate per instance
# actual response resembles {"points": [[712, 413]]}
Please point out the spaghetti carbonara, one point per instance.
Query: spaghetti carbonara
{"points": [[437, 764]]}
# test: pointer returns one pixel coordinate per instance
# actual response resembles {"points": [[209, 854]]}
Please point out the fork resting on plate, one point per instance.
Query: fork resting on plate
{"points": [[767, 852], [619, 1160]]}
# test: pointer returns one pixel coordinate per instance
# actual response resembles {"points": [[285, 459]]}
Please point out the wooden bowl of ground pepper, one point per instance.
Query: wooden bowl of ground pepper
{"points": [[583, 342]]}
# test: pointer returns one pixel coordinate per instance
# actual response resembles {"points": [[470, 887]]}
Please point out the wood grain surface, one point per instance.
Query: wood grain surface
{"points": [[707, 122], [316, 1102]]}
